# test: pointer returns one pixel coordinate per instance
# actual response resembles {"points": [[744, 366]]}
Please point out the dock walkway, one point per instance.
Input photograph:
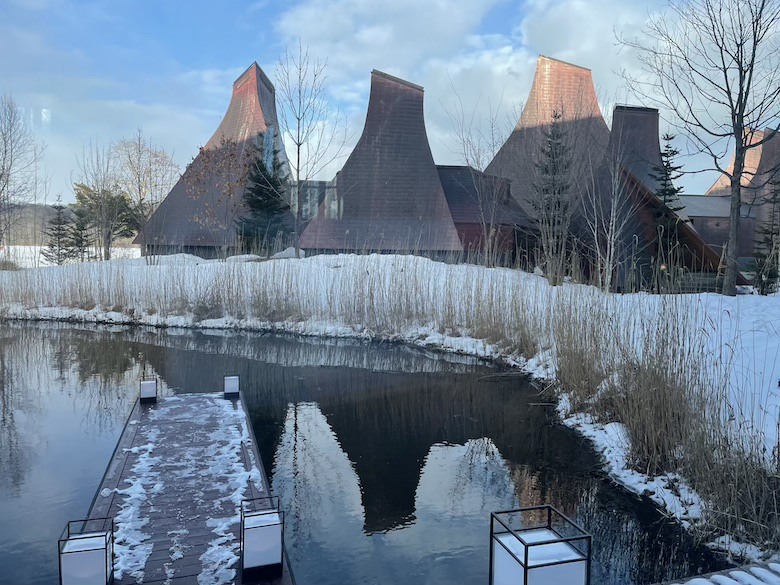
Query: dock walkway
{"points": [[174, 488], [755, 574]]}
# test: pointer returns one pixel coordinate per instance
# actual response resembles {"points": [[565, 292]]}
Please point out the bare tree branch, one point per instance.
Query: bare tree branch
{"points": [[715, 65]]}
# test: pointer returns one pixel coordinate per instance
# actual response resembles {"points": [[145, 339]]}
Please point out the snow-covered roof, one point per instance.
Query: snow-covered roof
{"points": [[747, 575]]}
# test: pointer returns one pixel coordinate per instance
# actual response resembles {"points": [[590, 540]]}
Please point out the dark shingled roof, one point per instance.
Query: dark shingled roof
{"points": [[628, 152], [762, 169], [760, 162], [463, 186], [634, 141], [388, 196], [196, 213]]}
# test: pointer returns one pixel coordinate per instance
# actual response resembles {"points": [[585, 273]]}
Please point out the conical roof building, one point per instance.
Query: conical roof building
{"points": [[761, 169], [388, 196], [199, 214], [604, 166], [564, 93]]}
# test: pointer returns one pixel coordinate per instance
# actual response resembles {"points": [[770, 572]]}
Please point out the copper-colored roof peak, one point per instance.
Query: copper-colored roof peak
{"points": [[179, 220], [560, 92], [254, 70]]}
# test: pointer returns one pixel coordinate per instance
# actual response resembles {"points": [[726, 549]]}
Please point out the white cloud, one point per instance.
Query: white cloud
{"points": [[357, 36], [440, 44]]}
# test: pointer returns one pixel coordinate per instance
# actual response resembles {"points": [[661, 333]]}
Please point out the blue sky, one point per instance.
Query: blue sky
{"points": [[105, 68]]}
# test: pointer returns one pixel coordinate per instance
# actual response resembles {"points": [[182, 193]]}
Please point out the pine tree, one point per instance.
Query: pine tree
{"points": [[666, 234], [79, 237], [266, 200], [57, 250], [766, 260], [553, 205]]}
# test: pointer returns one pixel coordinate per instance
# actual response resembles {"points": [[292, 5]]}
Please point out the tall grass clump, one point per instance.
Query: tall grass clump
{"points": [[581, 342], [657, 387]]}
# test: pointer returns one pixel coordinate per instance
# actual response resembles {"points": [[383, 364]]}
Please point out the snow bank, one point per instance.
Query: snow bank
{"points": [[31, 257]]}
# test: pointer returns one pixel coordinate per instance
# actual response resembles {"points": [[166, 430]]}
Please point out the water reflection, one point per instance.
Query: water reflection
{"points": [[387, 461], [60, 417]]}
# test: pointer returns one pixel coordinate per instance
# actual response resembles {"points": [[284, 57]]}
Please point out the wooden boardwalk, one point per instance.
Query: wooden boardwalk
{"points": [[755, 574], [174, 487]]}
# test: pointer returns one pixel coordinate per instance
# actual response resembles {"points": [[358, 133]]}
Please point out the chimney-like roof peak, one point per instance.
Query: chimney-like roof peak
{"points": [[397, 79]]}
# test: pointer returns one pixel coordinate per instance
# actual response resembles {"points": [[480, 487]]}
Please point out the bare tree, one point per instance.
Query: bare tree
{"points": [[609, 215], [146, 173], [314, 131], [97, 192], [216, 178], [478, 138], [715, 65], [20, 157]]}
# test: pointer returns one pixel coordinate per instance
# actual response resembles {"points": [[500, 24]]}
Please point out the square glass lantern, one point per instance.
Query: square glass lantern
{"points": [[538, 546], [148, 390], [231, 386], [262, 538], [86, 552]]}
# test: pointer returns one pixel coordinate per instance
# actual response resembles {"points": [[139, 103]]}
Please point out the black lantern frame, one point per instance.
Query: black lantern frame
{"points": [[533, 518], [89, 528]]}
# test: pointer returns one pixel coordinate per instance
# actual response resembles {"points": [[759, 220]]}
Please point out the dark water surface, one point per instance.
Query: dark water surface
{"points": [[387, 459]]}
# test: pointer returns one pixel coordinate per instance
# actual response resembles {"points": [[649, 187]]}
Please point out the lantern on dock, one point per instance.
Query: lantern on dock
{"points": [[231, 386], [148, 391], [262, 537], [86, 552], [538, 546]]}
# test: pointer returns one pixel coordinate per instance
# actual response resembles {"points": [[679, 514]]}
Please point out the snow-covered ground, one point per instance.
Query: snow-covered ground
{"points": [[499, 314], [31, 257]]}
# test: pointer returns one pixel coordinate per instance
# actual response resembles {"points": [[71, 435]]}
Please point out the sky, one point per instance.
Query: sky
{"points": [[95, 71]]}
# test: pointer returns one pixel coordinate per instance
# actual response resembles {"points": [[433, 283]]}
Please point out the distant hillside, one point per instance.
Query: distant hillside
{"points": [[30, 226], [29, 229]]}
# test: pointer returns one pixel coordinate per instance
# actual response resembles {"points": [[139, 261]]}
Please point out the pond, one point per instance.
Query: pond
{"points": [[388, 459]]}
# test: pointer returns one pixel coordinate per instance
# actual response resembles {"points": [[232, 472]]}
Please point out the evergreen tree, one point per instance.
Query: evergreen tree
{"points": [[266, 201], [79, 237], [552, 205], [666, 234], [57, 250], [766, 260]]}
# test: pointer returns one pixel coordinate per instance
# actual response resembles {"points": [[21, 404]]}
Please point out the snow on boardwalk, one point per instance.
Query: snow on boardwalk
{"points": [[749, 575], [174, 488]]}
